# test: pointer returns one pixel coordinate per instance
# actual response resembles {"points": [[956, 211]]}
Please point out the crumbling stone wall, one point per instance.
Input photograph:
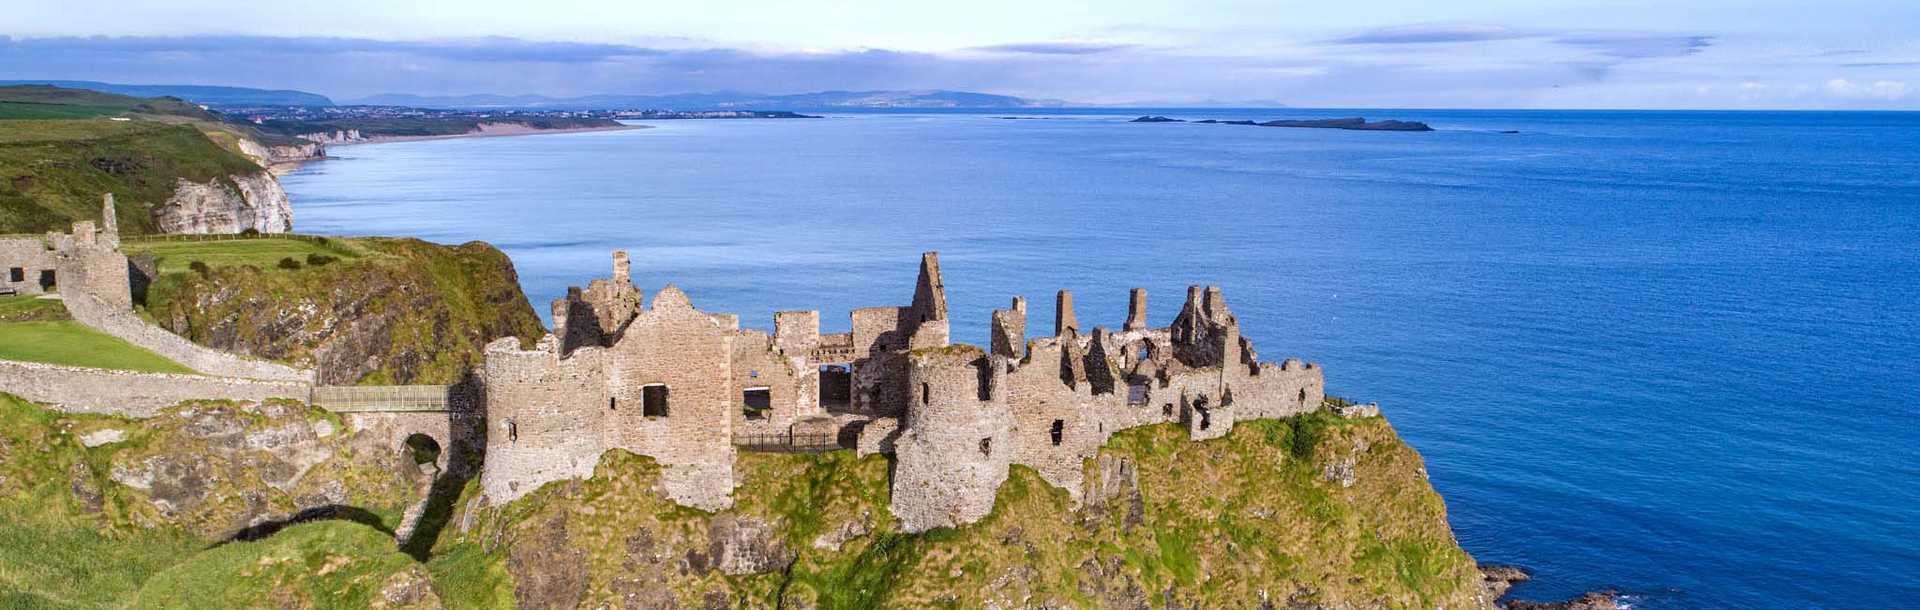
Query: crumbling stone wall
{"points": [[32, 257], [85, 390], [955, 416]]}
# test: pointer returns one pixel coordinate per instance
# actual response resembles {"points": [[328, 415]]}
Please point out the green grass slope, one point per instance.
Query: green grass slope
{"points": [[53, 172], [42, 101], [382, 311]]}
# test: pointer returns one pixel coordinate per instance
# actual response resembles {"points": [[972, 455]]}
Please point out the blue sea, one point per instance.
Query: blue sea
{"points": [[1673, 353]]}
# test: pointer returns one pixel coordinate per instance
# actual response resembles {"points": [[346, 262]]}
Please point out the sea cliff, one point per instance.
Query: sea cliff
{"points": [[231, 204]]}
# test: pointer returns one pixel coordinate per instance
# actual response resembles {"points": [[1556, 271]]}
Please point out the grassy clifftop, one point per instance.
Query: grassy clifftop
{"points": [[360, 310], [53, 172]]}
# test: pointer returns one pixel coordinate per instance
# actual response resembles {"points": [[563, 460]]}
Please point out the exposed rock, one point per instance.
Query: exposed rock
{"points": [[1339, 471], [409, 588], [547, 572], [1115, 489], [1500, 578], [80, 480], [105, 436], [1155, 119], [1598, 600], [230, 205], [1353, 411], [744, 545], [834, 538]]}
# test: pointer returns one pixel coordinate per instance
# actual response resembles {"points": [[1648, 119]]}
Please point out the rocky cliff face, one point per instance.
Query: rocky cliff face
{"points": [[406, 312], [93, 508], [1314, 512], [281, 154], [230, 205]]}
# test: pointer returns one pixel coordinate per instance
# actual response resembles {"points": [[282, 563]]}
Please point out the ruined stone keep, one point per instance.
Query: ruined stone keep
{"points": [[689, 388]]}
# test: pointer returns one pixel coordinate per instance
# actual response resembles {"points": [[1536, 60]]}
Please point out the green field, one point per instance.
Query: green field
{"points": [[71, 343], [264, 252]]}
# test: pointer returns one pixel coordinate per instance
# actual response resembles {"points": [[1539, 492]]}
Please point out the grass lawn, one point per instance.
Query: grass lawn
{"points": [[74, 344], [30, 309], [175, 257]]}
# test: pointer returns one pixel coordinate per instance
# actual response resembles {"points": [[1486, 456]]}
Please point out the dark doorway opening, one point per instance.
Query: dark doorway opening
{"points": [[1059, 430], [836, 386], [47, 280]]}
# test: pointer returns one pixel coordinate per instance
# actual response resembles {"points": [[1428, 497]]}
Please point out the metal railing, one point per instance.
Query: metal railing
{"points": [[787, 442], [170, 237], [380, 399]]}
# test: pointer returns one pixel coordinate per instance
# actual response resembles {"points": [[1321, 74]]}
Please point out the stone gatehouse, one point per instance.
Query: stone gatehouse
{"points": [[663, 379]]}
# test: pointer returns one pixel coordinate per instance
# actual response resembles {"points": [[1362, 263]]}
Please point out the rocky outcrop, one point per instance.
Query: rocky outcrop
{"points": [[226, 205], [413, 312], [297, 151], [338, 136]]}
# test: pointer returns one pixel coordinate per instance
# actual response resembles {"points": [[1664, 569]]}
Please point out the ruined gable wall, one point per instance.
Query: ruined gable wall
{"points": [[691, 353], [542, 420], [756, 363], [32, 256]]}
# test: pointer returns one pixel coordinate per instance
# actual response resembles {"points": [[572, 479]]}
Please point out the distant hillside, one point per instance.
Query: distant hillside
{"points": [[199, 94], [824, 100], [47, 102], [60, 149]]}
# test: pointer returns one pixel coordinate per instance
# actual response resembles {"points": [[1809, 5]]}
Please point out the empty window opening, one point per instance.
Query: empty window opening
{"points": [[1303, 396], [757, 403], [612, 403], [986, 446], [1059, 429], [1136, 394], [47, 280], [513, 431], [1206, 415], [926, 393], [16, 274], [1166, 410], [836, 386], [653, 400], [1146, 353]]}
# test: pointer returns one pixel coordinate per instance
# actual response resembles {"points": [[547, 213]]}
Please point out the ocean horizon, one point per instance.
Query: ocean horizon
{"points": [[1667, 352]]}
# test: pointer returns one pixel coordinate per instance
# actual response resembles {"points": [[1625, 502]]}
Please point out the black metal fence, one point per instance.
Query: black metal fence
{"points": [[787, 442]]}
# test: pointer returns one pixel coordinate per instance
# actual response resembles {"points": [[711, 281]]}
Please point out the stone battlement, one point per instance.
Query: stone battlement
{"points": [[669, 381]]}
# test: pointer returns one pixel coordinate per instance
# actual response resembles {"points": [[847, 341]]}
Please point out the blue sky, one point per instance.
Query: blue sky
{"points": [[1395, 53]]}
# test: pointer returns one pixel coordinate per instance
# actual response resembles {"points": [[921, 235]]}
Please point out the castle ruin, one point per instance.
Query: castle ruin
{"points": [[688, 388]]}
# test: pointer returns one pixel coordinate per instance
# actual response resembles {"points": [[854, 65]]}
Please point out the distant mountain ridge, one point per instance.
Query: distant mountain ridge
{"points": [[722, 100], [199, 94]]}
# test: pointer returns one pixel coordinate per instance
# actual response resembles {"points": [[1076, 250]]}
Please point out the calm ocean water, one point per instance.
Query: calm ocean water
{"points": [[1673, 353]]}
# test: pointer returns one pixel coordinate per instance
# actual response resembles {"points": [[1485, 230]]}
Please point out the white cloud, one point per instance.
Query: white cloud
{"points": [[1884, 90]]}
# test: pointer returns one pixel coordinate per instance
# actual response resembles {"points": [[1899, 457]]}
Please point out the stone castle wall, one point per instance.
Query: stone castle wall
{"points": [[85, 390], [956, 417]]}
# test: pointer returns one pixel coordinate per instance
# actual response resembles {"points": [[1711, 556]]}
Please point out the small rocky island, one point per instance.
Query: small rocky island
{"points": [[1351, 123]]}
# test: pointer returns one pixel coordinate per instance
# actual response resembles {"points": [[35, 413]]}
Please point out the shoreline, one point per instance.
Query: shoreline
{"points": [[489, 130], [485, 130]]}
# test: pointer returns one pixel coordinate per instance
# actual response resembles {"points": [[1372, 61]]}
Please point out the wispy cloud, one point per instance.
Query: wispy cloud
{"points": [[1639, 46], [1057, 48], [1432, 33]]}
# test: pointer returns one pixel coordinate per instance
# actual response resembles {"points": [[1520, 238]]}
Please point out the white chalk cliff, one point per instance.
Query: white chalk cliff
{"points": [[230, 205]]}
